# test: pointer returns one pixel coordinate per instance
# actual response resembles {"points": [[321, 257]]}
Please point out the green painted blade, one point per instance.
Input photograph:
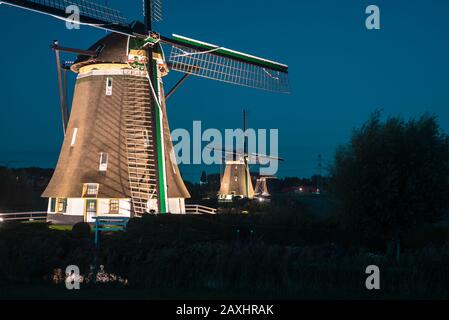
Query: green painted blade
{"points": [[226, 65], [244, 57]]}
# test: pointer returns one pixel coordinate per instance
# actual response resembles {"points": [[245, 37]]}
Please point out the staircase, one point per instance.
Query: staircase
{"points": [[140, 143]]}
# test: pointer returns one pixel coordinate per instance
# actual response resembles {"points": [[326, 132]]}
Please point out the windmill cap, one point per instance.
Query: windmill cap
{"points": [[114, 51]]}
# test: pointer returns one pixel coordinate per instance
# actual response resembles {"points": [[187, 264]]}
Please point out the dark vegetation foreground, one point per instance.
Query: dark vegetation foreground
{"points": [[222, 257]]}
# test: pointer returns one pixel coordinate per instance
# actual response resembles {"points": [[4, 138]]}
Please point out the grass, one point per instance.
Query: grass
{"points": [[52, 227], [61, 227]]}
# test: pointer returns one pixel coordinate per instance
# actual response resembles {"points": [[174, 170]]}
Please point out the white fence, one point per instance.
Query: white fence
{"points": [[23, 216], [35, 216], [198, 209]]}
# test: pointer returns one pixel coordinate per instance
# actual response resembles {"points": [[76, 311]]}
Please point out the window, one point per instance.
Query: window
{"points": [[103, 161], [114, 206], [75, 132], [52, 204], [109, 86], [90, 190], [146, 139], [61, 205], [91, 206]]}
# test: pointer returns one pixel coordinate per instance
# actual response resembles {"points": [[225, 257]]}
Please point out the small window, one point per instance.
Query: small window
{"points": [[90, 190], [103, 161], [109, 86], [61, 205], [114, 206], [146, 139], [75, 132], [91, 206], [52, 204]]}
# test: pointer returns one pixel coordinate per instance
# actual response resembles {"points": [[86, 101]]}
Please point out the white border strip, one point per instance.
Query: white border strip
{"points": [[113, 72]]}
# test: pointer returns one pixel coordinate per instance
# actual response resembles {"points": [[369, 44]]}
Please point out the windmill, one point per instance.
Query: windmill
{"points": [[117, 156], [261, 188], [236, 180]]}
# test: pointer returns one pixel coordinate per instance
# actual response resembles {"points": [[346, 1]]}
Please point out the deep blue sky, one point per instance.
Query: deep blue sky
{"points": [[340, 72]]}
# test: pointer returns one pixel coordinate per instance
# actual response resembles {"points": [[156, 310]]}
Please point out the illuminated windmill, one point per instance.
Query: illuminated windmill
{"points": [[117, 156], [261, 188], [236, 179]]}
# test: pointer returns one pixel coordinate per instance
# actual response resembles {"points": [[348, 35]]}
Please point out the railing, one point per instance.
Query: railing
{"points": [[199, 209], [109, 224], [23, 216]]}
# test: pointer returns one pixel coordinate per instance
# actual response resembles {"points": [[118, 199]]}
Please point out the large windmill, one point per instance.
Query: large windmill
{"points": [[117, 156]]}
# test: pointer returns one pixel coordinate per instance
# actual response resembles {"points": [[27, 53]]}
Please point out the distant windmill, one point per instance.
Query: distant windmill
{"points": [[236, 181], [117, 156], [261, 190]]}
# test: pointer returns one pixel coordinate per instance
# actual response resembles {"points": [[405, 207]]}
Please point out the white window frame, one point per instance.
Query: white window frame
{"points": [[146, 139], [90, 186], [109, 83], [75, 133], [104, 159], [110, 206]]}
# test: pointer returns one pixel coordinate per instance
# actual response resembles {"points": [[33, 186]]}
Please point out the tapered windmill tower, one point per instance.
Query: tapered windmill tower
{"points": [[236, 180], [117, 156], [261, 189]]}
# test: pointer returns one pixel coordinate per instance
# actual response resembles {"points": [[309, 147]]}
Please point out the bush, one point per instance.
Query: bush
{"points": [[82, 230], [391, 177]]}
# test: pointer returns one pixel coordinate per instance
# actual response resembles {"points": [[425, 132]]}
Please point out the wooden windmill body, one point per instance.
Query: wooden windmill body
{"points": [[108, 161], [117, 157], [261, 188], [236, 181]]}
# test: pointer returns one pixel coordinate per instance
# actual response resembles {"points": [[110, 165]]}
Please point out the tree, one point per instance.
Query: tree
{"points": [[392, 176], [203, 179]]}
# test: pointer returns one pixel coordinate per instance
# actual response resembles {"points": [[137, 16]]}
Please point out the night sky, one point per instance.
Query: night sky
{"points": [[340, 72]]}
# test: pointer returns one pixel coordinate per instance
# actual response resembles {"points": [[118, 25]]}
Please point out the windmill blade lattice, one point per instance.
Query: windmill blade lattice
{"points": [[229, 66], [95, 10], [156, 10]]}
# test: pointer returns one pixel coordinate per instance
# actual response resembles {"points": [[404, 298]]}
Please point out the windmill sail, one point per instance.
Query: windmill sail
{"points": [[221, 64], [251, 157], [92, 13], [156, 10]]}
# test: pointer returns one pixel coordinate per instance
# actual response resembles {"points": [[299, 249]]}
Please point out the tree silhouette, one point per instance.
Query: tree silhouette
{"points": [[203, 179], [392, 176]]}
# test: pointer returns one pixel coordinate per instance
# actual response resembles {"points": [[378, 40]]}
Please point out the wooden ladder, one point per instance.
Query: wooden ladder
{"points": [[140, 143]]}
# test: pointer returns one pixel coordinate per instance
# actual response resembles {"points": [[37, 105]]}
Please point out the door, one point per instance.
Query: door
{"points": [[90, 210]]}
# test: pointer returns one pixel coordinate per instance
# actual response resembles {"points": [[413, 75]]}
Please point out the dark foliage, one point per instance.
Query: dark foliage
{"points": [[21, 189], [392, 176], [82, 230], [194, 254], [29, 252]]}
